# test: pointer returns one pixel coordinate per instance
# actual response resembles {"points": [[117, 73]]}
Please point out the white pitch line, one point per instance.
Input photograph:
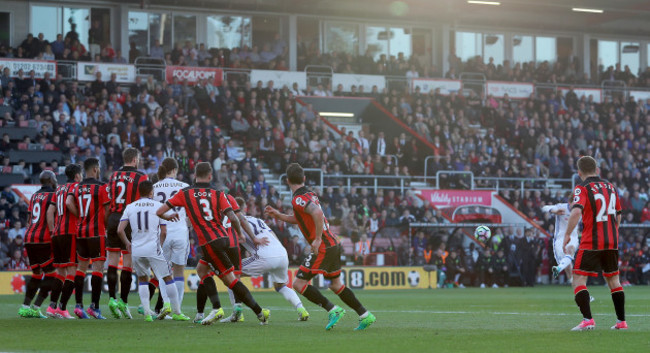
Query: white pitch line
{"points": [[473, 312]]}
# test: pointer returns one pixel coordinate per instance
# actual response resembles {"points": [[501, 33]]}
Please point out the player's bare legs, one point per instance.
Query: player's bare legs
{"points": [[618, 297], [79, 278]]}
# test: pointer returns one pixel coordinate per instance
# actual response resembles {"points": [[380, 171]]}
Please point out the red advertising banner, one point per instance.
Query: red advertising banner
{"points": [[453, 198], [194, 74]]}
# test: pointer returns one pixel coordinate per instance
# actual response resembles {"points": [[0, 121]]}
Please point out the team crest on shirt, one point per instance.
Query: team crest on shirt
{"points": [[577, 192]]}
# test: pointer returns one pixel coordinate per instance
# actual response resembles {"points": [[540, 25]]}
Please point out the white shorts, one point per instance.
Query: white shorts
{"points": [[276, 267], [558, 249], [144, 265], [177, 248]]}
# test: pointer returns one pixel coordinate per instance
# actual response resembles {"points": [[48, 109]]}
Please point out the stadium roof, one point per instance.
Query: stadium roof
{"points": [[628, 17]]}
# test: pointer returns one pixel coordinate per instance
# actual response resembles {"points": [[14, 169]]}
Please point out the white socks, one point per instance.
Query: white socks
{"points": [[172, 294], [564, 263], [163, 291], [180, 288], [231, 294], [291, 296], [143, 291]]}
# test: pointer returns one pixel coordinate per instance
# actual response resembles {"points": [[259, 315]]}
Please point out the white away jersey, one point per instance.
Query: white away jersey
{"points": [[273, 249], [561, 221], [164, 190], [145, 227]]}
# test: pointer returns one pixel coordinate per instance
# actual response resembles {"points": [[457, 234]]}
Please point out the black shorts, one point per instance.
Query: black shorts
{"points": [[113, 241], [591, 262], [93, 248], [326, 262], [40, 256], [234, 254], [64, 248], [215, 254]]}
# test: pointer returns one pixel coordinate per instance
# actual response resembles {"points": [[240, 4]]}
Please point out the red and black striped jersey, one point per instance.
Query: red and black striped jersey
{"points": [[234, 240], [65, 222], [91, 197], [301, 199], [123, 187], [600, 206], [205, 207], [37, 230]]}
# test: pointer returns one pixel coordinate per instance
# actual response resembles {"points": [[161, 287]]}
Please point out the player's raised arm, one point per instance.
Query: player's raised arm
{"points": [[279, 215], [317, 215]]}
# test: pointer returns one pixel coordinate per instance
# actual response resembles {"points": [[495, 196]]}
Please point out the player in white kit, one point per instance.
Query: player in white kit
{"points": [[148, 231], [564, 259], [271, 259], [176, 247]]}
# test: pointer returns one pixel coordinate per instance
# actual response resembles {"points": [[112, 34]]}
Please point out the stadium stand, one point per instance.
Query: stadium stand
{"points": [[251, 132]]}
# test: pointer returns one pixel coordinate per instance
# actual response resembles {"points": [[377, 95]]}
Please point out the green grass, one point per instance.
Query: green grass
{"points": [[450, 320]]}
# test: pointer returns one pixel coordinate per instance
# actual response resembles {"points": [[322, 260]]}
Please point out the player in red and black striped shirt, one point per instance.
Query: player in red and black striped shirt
{"points": [[90, 204], [38, 243], [596, 200], [206, 208], [64, 245], [326, 251], [123, 190]]}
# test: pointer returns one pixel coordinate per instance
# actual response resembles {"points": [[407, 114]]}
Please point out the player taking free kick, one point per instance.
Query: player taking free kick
{"points": [[326, 251]]}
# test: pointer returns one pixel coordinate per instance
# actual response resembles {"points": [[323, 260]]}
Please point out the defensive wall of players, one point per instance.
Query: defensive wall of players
{"points": [[371, 278]]}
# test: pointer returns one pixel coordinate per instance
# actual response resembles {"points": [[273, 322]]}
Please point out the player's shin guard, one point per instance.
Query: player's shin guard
{"points": [[46, 286], [125, 283], [211, 292], [172, 293], [79, 278], [244, 295], [618, 297], [32, 287], [96, 284], [201, 298], [111, 278], [348, 297], [315, 296], [290, 295], [56, 290], [66, 292], [582, 299], [145, 298]]}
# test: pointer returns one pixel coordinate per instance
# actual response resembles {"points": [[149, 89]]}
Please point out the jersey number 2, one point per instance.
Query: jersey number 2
{"points": [[611, 208]]}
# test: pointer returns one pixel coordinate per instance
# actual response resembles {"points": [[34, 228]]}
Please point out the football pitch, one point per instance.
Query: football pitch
{"points": [[450, 320]]}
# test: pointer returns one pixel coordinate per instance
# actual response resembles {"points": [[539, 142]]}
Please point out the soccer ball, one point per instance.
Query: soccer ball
{"points": [[193, 281], [482, 234], [414, 278]]}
